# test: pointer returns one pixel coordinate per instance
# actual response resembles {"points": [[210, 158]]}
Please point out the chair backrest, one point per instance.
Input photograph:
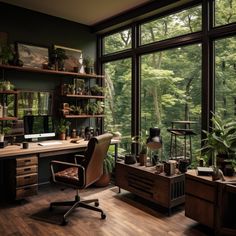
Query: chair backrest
{"points": [[95, 154]]}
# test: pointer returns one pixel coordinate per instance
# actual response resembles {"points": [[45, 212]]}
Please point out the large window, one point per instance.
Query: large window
{"points": [[225, 12], [225, 71], [117, 42], [118, 99], [171, 90], [184, 22]]}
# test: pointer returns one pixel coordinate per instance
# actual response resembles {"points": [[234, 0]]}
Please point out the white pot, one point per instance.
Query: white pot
{"points": [[1, 137]]}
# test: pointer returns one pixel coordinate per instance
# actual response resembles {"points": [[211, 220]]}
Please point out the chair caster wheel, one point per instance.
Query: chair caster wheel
{"points": [[96, 204], [64, 222], [103, 216]]}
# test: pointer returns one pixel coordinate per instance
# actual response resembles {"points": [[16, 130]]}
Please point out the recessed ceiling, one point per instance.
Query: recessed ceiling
{"points": [[88, 12]]}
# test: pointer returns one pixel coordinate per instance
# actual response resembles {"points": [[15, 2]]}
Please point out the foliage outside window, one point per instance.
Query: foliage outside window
{"points": [[225, 12], [117, 42], [184, 22], [170, 91], [118, 100], [225, 83]]}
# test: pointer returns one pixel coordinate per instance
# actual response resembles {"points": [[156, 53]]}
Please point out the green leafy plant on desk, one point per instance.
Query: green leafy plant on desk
{"points": [[61, 128]]}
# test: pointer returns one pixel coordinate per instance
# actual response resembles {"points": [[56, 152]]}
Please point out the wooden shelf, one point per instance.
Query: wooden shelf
{"points": [[84, 96], [83, 116], [9, 118], [9, 92], [45, 71]]}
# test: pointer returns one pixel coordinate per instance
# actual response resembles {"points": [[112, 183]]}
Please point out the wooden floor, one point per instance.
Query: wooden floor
{"points": [[126, 215]]}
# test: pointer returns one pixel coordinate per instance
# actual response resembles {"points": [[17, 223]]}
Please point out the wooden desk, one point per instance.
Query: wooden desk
{"points": [[22, 170]]}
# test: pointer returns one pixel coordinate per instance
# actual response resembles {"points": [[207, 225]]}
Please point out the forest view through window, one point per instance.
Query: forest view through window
{"points": [[225, 84], [170, 91], [118, 100]]}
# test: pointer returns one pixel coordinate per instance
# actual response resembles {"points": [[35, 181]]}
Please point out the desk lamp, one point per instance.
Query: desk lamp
{"points": [[154, 141]]}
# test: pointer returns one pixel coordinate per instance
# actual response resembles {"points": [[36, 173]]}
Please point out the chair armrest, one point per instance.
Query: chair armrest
{"points": [[80, 160], [67, 164]]}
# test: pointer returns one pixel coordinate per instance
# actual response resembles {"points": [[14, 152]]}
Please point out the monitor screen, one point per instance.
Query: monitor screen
{"points": [[38, 126]]}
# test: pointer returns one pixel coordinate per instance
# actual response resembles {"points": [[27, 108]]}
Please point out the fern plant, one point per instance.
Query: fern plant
{"points": [[108, 164]]}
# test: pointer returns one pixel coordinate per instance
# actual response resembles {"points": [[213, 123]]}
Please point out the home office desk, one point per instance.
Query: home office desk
{"points": [[22, 170]]}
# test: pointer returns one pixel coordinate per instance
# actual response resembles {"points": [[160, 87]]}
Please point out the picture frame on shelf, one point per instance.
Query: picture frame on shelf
{"points": [[74, 62], [32, 56]]}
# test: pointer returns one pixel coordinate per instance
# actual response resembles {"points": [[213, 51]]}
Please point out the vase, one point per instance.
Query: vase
{"points": [[142, 159]]}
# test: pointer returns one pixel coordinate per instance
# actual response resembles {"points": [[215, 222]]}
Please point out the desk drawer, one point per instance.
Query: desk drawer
{"points": [[26, 170], [27, 161], [26, 191], [26, 179]]}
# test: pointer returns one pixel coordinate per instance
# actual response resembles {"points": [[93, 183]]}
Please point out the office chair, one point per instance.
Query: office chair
{"points": [[86, 170]]}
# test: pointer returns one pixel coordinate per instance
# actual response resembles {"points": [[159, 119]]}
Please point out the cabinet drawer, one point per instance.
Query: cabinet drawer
{"points": [[26, 179], [200, 190], [26, 170], [200, 210], [26, 191], [26, 161]]}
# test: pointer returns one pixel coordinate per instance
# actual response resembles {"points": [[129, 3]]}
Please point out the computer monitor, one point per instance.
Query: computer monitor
{"points": [[38, 126]]}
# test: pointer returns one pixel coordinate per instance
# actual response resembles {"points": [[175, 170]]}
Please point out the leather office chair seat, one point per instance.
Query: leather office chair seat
{"points": [[86, 170]]}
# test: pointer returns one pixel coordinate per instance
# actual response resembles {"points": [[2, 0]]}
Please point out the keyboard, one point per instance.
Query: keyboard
{"points": [[51, 143]]}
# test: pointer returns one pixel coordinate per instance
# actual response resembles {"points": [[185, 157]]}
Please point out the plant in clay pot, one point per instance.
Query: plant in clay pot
{"points": [[88, 65], [6, 54], [62, 127], [97, 90], [108, 166], [57, 58]]}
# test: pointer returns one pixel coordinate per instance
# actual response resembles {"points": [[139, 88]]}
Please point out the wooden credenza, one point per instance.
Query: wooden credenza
{"points": [[167, 191], [204, 200]]}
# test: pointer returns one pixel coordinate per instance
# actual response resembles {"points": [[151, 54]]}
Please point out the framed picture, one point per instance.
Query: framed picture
{"points": [[32, 56], [74, 62]]}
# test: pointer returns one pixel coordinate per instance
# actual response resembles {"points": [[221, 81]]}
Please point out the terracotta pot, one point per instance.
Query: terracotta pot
{"points": [[103, 181], [62, 136]]}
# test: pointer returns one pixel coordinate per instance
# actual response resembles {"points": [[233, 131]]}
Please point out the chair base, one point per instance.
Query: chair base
{"points": [[77, 203]]}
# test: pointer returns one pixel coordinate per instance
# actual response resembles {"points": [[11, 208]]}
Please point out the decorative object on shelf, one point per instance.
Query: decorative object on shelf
{"points": [[220, 142], [74, 60], [32, 56], [143, 154], [6, 85], [57, 58], [88, 63], [79, 85], [6, 54]]}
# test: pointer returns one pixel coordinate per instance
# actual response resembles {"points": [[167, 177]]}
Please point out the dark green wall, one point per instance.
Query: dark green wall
{"points": [[35, 28]]}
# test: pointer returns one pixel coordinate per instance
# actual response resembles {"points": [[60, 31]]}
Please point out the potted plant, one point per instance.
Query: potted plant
{"points": [[6, 54], [96, 90], [62, 126], [57, 58], [4, 131], [88, 63], [108, 165], [220, 142]]}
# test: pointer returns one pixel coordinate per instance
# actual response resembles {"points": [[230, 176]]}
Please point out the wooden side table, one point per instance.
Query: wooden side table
{"points": [[167, 191]]}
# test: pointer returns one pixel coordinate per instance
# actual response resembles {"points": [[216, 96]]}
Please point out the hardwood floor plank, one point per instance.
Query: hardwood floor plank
{"points": [[127, 215]]}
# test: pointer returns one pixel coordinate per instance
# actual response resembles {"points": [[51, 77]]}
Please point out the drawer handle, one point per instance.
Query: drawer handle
{"points": [[27, 169], [27, 188], [27, 161], [27, 177]]}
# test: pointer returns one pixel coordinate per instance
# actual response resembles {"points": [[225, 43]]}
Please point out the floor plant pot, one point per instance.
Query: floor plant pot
{"points": [[103, 181]]}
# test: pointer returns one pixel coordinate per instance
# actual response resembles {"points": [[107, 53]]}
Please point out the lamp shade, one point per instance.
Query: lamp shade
{"points": [[154, 141]]}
